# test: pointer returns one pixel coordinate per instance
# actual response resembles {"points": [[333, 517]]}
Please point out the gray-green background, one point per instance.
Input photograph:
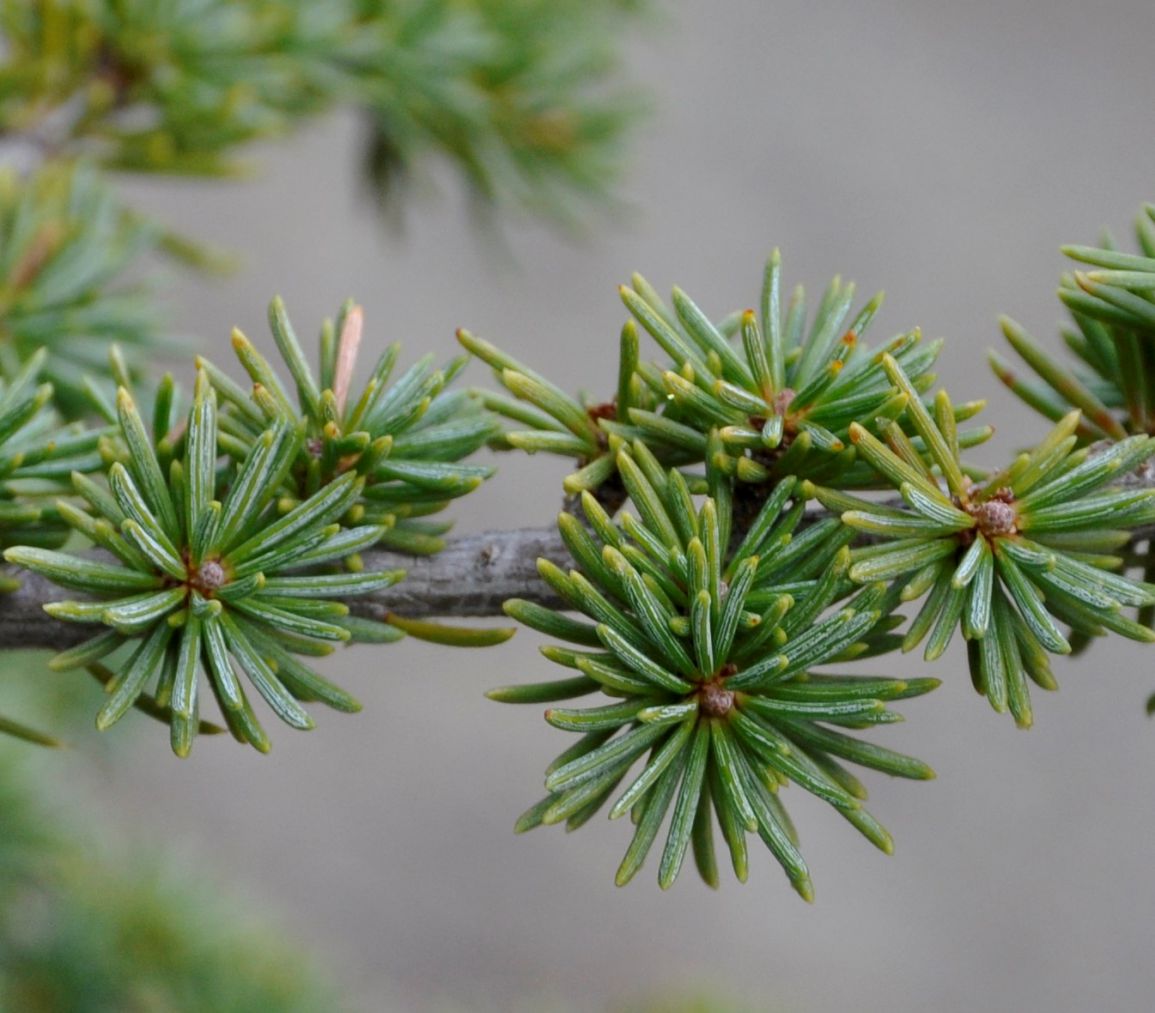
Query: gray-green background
{"points": [[939, 151]]}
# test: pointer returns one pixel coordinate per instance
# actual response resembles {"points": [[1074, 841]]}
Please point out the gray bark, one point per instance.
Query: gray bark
{"points": [[471, 577]]}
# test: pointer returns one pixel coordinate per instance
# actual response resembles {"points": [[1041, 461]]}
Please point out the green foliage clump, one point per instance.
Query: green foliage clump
{"points": [[781, 404], [1113, 309], [708, 621], [405, 439], [231, 539], [208, 576], [1030, 547], [38, 452], [708, 652]]}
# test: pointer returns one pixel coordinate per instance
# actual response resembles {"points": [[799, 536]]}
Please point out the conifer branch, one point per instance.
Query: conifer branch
{"points": [[470, 578]]}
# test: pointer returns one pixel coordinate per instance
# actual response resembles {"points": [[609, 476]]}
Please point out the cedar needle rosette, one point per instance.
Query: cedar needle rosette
{"points": [[1012, 559], [707, 655]]}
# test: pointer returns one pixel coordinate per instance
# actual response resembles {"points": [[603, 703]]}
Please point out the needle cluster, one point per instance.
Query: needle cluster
{"points": [[709, 651], [1112, 307], [1012, 559], [405, 437], [760, 395], [206, 580]]}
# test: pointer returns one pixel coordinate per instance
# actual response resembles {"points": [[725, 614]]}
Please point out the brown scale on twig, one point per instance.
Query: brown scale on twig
{"points": [[611, 494], [207, 577], [605, 410], [994, 516], [204, 577], [714, 699]]}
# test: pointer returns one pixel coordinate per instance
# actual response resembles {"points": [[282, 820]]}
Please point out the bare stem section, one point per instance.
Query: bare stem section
{"points": [[471, 577]]}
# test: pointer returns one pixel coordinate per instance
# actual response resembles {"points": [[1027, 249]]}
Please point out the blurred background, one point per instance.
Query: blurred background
{"points": [[941, 152]]}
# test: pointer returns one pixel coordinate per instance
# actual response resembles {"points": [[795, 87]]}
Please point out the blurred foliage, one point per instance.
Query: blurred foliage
{"points": [[522, 96], [69, 276], [86, 933]]}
